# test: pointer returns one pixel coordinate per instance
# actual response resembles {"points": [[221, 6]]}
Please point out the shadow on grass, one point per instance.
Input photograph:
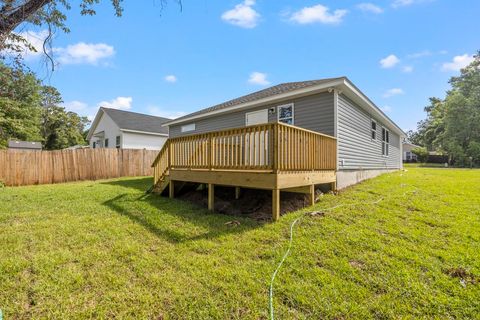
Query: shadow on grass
{"points": [[173, 220], [140, 184]]}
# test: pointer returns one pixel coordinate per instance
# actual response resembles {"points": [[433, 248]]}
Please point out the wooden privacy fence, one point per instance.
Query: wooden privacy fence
{"points": [[19, 168]]}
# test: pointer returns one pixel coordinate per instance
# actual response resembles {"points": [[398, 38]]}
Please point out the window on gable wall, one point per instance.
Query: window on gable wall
{"points": [[106, 143], [385, 141], [117, 142], [374, 130], [285, 113]]}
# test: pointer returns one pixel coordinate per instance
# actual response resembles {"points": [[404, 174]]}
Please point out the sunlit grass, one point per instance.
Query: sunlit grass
{"points": [[104, 249]]}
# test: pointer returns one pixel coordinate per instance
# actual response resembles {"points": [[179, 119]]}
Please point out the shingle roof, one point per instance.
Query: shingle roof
{"points": [[137, 121], [265, 93], [16, 144]]}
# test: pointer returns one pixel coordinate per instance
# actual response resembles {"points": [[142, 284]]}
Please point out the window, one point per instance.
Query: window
{"points": [[285, 113], [106, 143], [385, 141], [374, 130], [188, 127], [117, 142], [94, 145]]}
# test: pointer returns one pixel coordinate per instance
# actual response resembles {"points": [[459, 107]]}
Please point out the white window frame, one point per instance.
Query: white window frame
{"points": [[106, 143], [288, 105], [119, 143], [372, 121], [188, 127], [385, 142]]}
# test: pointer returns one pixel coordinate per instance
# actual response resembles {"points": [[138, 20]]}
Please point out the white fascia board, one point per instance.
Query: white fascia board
{"points": [[145, 132], [277, 97], [94, 123]]}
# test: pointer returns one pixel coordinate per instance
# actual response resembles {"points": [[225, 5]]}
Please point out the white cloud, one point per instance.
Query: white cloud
{"points": [[84, 53], [79, 53], [407, 69], [369, 7], [75, 106], [402, 3], [258, 78], [160, 112], [171, 78], [458, 63], [242, 15], [389, 61], [123, 103], [318, 14], [34, 39], [393, 92], [386, 109]]}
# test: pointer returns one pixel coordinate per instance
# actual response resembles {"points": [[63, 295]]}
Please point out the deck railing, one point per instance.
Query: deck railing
{"points": [[273, 147]]}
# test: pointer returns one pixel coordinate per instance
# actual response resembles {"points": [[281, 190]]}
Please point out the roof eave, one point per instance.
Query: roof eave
{"points": [[277, 97], [95, 123]]}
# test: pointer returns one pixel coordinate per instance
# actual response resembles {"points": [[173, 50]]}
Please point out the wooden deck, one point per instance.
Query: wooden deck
{"points": [[272, 156]]}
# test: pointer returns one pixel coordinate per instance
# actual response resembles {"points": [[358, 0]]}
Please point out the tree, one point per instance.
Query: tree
{"points": [[60, 129], [20, 106], [32, 112], [452, 125], [422, 153]]}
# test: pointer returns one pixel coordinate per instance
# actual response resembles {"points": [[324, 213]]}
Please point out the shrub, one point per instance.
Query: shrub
{"points": [[421, 152]]}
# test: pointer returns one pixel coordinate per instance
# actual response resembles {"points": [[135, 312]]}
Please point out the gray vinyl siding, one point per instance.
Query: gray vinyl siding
{"points": [[355, 145], [315, 112]]}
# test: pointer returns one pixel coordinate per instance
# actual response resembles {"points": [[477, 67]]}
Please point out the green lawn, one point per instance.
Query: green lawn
{"points": [[104, 250]]}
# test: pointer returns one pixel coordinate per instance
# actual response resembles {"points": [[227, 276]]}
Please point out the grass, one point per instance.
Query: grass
{"points": [[105, 250]]}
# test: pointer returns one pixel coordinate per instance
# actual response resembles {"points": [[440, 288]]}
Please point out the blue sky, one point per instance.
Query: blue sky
{"points": [[168, 63]]}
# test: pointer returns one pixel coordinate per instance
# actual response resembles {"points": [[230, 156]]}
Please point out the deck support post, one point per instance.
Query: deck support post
{"points": [[333, 186], [237, 193], [171, 189], [275, 204], [311, 193], [211, 196]]}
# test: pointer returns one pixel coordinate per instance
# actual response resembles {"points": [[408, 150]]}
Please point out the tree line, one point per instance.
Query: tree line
{"points": [[452, 125], [31, 111]]}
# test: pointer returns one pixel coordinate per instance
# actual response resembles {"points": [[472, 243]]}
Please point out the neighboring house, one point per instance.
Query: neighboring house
{"points": [[408, 155], [114, 128], [368, 141], [24, 145]]}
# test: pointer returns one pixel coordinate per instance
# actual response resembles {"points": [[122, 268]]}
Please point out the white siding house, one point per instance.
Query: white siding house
{"points": [[114, 128]]}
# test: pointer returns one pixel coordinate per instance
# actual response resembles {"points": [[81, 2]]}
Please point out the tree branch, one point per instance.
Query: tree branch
{"points": [[9, 22]]}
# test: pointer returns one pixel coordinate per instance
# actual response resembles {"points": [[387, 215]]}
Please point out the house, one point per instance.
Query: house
{"points": [[408, 155], [289, 137], [113, 128], [24, 145]]}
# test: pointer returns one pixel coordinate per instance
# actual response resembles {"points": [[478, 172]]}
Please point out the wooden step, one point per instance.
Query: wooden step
{"points": [[161, 185]]}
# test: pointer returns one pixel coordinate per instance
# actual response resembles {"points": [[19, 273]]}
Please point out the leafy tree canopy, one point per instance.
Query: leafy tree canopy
{"points": [[452, 125], [32, 112]]}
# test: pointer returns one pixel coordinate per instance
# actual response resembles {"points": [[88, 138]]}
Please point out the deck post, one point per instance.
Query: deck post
{"points": [[275, 204], [237, 193], [333, 186], [211, 196], [312, 195], [171, 189]]}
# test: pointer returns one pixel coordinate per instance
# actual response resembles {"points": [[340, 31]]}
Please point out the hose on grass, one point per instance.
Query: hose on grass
{"points": [[287, 252]]}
